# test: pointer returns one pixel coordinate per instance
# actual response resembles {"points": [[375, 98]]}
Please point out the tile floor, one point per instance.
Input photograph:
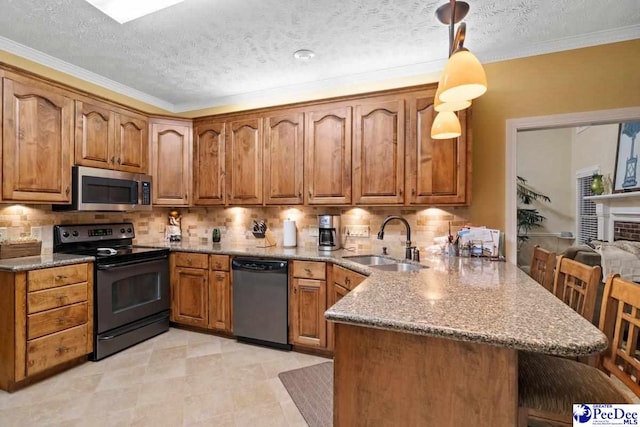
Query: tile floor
{"points": [[179, 378]]}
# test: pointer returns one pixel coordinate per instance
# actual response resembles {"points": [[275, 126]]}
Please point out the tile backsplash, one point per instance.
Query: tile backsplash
{"points": [[235, 223]]}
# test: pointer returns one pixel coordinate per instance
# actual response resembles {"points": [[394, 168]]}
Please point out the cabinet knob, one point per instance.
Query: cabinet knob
{"points": [[60, 277], [113, 159], [413, 191], [347, 281], [61, 349], [119, 162], [67, 191], [60, 297], [60, 320], [308, 271]]}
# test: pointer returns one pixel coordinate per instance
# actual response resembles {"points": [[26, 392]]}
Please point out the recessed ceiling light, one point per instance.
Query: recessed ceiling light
{"points": [[128, 10], [304, 54]]}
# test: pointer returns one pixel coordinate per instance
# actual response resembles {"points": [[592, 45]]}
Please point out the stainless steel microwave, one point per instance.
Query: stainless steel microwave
{"points": [[96, 189]]}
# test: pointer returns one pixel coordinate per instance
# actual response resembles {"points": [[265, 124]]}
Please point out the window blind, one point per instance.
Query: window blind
{"points": [[587, 218]]}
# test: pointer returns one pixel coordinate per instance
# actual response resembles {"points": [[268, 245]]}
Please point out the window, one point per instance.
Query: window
{"points": [[586, 218]]}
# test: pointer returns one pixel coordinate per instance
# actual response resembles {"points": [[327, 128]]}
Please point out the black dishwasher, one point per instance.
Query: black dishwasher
{"points": [[261, 301]]}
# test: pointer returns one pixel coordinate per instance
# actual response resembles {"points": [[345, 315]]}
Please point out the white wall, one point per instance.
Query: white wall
{"points": [[595, 145], [544, 160]]}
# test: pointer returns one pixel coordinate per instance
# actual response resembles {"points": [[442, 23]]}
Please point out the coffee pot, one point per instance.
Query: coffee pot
{"points": [[329, 232]]}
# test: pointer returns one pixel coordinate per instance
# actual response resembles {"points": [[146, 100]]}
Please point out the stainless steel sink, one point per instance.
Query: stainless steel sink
{"points": [[371, 260], [399, 267]]}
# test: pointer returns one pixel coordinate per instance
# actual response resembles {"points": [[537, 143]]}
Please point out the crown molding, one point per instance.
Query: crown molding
{"points": [[568, 43]]}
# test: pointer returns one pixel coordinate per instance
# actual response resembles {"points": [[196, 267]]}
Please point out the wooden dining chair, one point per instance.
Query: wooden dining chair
{"points": [[542, 264], [576, 284], [549, 386]]}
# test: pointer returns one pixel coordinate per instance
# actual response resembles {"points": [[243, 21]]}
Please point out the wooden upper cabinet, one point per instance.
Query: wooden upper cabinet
{"points": [[244, 161], [170, 162], [131, 143], [328, 156], [438, 171], [378, 152], [95, 136], [283, 159], [37, 143], [209, 164]]}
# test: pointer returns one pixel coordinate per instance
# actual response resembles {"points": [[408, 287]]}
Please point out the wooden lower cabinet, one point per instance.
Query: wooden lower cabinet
{"points": [[220, 295], [307, 304], [201, 291], [189, 296], [46, 320], [342, 282]]}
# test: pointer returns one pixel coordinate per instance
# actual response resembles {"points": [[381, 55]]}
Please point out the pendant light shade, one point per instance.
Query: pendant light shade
{"points": [[446, 126], [440, 106], [463, 78]]}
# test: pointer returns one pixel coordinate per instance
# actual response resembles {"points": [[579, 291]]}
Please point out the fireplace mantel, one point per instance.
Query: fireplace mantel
{"points": [[615, 207]]}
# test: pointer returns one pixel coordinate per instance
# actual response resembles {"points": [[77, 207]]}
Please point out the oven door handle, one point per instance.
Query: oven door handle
{"points": [[127, 263]]}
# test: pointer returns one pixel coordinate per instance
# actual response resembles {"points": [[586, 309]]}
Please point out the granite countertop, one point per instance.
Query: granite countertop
{"points": [[42, 261], [467, 299]]}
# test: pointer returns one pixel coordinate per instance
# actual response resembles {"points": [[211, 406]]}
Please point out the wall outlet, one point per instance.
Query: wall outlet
{"points": [[313, 231], [4, 233], [356, 230], [36, 233], [161, 228]]}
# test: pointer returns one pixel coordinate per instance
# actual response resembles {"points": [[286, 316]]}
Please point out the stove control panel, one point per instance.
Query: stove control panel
{"points": [[93, 232]]}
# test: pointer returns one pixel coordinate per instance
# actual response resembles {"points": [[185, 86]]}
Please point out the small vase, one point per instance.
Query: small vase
{"points": [[215, 235], [597, 185]]}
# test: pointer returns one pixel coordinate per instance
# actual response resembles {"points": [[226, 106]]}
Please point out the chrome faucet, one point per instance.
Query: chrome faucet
{"points": [[409, 248]]}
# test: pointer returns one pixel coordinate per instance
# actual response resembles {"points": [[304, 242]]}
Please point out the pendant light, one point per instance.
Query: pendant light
{"points": [[446, 126], [463, 78]]}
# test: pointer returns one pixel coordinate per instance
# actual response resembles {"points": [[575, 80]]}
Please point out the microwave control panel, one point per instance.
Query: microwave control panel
{"points": [[146, 193]]}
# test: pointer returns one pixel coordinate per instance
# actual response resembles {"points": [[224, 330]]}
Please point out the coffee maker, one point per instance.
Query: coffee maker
{"points": [[329, 233]]}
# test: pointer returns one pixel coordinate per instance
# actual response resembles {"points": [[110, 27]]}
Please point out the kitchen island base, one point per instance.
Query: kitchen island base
{"points": [[387, 378]]}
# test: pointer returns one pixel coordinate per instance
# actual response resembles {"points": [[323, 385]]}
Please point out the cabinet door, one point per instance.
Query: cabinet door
{"points": [[95, 136], [439, 171], [132, 144], [283, 159], [190, 296], [378, 152], [208, 164], [244, 162], [37, 144], [309, 302], [170, 155], [328, 156], [335, 294], [219, 301]]}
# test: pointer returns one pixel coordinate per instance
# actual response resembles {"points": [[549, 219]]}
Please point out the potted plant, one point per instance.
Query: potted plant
{"points": [[528, 218]]}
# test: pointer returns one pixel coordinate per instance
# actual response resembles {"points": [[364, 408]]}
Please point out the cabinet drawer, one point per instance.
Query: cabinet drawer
{"points": [[309, 270], [185, 259], [56, 297], [56, 320], [56, 276], [219, 262], [346, 278], [52, 350]]}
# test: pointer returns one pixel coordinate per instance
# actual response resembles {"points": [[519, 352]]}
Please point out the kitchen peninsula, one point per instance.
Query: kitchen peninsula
{"points": [[440, 346]]}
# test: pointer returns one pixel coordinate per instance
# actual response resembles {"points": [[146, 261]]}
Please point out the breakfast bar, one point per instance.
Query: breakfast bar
{"points": [[439, 346]]}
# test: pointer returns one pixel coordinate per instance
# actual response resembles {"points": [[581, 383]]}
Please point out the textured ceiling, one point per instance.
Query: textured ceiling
{"points": [[202, 53]]}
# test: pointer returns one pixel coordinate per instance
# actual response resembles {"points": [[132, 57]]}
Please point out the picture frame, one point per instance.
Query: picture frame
{"points": [[627, 170]]}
